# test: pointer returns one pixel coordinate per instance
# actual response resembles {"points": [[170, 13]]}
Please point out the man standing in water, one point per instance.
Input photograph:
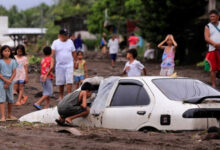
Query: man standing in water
{"points": [[212, 37], [64, 52]]}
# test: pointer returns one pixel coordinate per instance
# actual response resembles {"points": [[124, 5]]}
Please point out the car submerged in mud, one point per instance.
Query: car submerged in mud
{"points": [[143, 103]]}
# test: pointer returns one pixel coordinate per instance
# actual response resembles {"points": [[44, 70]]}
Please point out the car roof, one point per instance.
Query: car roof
{"points": [[149, 78]]}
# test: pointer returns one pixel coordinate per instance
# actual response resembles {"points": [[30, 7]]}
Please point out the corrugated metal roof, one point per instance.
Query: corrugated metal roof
{"points": [[12, 31]]}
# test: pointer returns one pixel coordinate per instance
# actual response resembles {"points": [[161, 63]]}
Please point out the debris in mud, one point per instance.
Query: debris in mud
{"points": [[213, 133], [73, 131], [33, 68]]}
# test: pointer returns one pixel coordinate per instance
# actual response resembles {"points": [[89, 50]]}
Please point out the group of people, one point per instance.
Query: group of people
{"points": [[134, 67], [70, 66]]}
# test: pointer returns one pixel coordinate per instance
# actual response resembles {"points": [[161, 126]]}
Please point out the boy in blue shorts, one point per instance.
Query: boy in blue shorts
{"points": [[47, 64]]}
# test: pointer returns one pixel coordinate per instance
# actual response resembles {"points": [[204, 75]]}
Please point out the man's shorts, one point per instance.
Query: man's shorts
{"points": [[133, 46], [6, 94], [166, 71], [47, 87], [20, 82], [64, 75], [113, 56], [79, 78], [213, 59], [71, 111]]}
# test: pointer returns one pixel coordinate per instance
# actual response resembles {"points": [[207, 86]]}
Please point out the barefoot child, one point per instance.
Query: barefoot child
{"points": [[133, 67], [167, 65], [47, 64], [80, 71], [7, 73], [21, 74], [74, 105]]}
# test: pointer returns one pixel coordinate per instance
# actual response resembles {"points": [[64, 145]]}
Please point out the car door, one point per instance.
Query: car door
{"points": [[130, 105]]}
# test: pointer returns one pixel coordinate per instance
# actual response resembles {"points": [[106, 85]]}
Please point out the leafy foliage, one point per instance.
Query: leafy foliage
{"points": [[155, 18], [91, 44], [119, 11], [34, 60]]}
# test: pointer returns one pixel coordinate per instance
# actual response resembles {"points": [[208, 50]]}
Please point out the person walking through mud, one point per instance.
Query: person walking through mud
{"points": [[21, 77], [74, 105], [103, 44], [78, 43], [133, 67], [65, 54], [212, 37], [113, 45], [7, 73], [46, 78], [167, 65]]}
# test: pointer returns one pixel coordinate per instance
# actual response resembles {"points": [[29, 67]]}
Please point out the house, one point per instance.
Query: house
{"points": [[15, 36]]}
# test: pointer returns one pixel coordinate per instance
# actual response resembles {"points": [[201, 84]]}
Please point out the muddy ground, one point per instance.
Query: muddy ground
{"points": [[27, 136]]}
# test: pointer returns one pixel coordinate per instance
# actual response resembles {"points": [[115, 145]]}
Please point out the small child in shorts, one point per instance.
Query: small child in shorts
{"points": [[133, 67], [46, 78], [80, 71], [167, 65]]}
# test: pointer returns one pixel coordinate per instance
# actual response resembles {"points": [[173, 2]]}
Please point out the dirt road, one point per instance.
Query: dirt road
{"points": [[27, 136]]}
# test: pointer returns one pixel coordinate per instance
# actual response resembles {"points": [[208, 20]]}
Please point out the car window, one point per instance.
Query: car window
{"points": [[182, 89], [143, 98], [130, 95]]}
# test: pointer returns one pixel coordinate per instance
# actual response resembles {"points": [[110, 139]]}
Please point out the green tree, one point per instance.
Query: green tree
{"points": [[68, 8], [36, 16], [119, 11], [3, 11], [180, 18], [156, 18], [14, 16]]}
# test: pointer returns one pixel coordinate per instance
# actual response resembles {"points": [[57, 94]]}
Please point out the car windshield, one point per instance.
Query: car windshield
{"points": [[180, 89]]}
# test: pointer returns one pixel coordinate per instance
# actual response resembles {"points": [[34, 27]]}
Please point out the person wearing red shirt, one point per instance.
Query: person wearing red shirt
{"points": [[133, 41]]}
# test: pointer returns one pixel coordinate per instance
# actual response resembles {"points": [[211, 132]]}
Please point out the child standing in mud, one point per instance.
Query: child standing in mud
{"points": [[21, 74], [167, 65], [47, 64], [133, 67], [80, 71], [7, 73]]}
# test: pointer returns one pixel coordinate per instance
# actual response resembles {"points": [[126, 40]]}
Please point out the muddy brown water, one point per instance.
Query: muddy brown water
{"points": [[27, 136]]}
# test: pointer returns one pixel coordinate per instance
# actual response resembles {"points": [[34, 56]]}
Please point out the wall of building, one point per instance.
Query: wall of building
{"points": [[3, 24]]}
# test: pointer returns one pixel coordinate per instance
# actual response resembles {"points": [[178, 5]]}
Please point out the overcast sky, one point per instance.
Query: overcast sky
{"points": [[24, 4]]}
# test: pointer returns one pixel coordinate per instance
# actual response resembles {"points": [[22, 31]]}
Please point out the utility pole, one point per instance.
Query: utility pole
{"points": [[42, 20], [212, 5]]}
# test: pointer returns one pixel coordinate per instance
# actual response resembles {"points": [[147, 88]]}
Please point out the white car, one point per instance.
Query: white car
{"points": [[138, 103]]}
